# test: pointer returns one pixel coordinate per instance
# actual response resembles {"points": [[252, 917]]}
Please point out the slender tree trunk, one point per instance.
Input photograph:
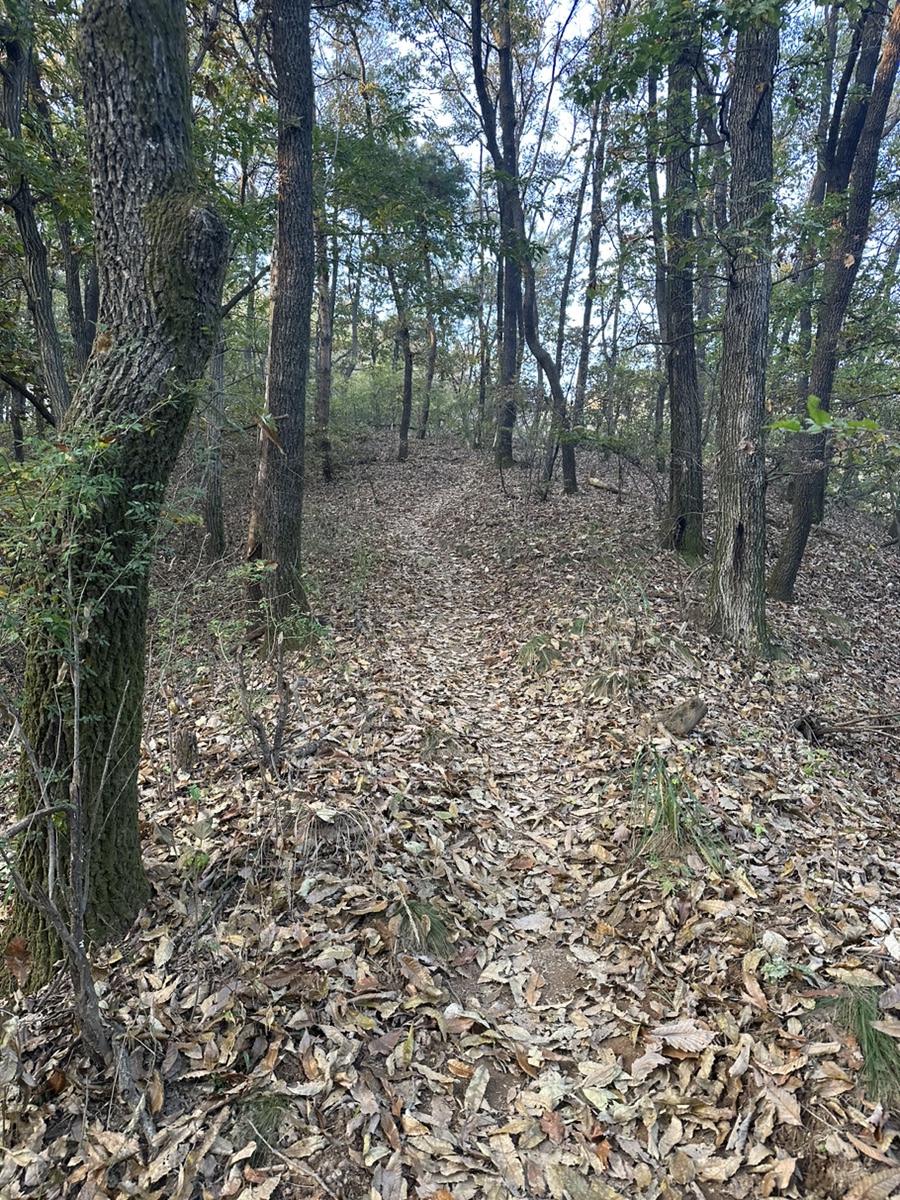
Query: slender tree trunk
{"points": [[324, 347], [841, 269], [214, 516], [161, 261], [504, 155], [596, 228], [659, 255], [430, 368], [81, 342], [17, 412], [403, 341], [683, 528], [353, 356], [276, 521], [567, 447], [737, 599], [16, 43]]}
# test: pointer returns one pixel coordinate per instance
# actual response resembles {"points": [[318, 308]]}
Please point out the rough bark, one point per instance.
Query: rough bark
{"points": [[276, 522], [161, 260], [683, 526], [737, 599], [841, 269]]}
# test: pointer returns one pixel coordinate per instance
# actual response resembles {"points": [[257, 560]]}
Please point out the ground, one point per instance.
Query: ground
{"points": [[418, 929]]}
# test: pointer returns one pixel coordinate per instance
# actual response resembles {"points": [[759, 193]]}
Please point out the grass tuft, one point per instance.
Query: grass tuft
{"points": [[667, 818], [260, 1121], [540, 654], [423, 928], [855, 1011]]}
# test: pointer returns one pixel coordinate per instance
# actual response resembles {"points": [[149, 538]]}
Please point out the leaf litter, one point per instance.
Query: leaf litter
{"points": [[428, 950]]}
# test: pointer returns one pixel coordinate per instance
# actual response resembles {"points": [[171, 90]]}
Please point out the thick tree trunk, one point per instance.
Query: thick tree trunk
{"points": [[737, 599], [683, 526], [277, 517], [161, 262], [840, 273]]}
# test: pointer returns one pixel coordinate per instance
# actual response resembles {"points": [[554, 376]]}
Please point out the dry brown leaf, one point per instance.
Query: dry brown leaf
{"points": [[684, 1035], [17, 960], [878, 1186]]}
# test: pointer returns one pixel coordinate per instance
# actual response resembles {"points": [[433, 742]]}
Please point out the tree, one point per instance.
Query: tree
{"points": [[850, 166], [683, 529], [276, 523], [161, 258], [503, 149], [17, 38], [737, 599]]}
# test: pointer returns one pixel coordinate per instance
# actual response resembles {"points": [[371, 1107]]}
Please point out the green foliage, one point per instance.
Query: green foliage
{"points": [[540, 654], [260, 1122], [857, 1010], [667, 818], [49, 527], [423, 927], [819, 420]]}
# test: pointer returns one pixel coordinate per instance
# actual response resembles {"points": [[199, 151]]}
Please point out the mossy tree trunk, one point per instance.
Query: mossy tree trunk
{"points": [[276, 522], [161, 259]]}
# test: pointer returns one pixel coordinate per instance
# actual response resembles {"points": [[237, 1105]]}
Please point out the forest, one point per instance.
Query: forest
{"points": [[449, 564]]}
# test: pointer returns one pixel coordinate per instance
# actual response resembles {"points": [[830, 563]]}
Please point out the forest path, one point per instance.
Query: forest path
{"points": [[604, 1024], [447, 603]]}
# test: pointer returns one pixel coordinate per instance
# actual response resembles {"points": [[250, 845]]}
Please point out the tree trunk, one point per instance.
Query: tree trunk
{"points": [[17, 412], [430, 367], [584, 348], [505, 160], [841, 269], [737, 599], [81, 341], [659, 257], [683, 529], [567, 446], [403, 342], [16, 43], [161, 262], [277, 515], [324, 349], [214, 517]]}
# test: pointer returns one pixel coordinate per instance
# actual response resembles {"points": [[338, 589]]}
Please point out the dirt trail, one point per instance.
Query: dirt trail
{"points": [[442, 606]]}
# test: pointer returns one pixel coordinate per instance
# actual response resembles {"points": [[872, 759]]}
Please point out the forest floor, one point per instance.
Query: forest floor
{"points": [[418, 928]]}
